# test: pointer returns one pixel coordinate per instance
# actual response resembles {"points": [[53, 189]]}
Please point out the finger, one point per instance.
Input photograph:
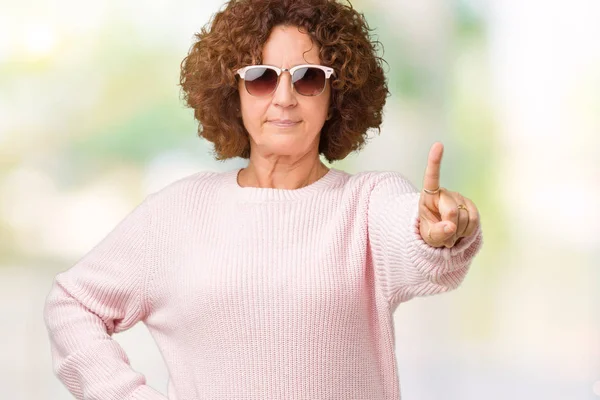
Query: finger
{"points": [[463, 217], [431, 202], [451, 239], [431, 181], [439, 234], [448, 209], [426, 213], [473, 217]]}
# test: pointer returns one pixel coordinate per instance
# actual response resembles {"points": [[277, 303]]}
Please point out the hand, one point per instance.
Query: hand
{"points": [[442, 223]]}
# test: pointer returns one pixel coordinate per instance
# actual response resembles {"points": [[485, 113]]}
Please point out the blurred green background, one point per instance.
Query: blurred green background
{"points": [[91, 121]]}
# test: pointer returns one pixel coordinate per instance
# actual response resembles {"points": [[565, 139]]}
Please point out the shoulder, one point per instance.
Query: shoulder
{"points": [[188, 186], [383, 182]]}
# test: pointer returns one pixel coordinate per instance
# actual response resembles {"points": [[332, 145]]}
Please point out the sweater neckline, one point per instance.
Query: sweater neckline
{"points": [[273, 194]]}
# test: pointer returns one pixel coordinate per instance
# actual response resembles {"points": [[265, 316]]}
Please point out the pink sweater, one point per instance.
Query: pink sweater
{"points": [[252, 293]]}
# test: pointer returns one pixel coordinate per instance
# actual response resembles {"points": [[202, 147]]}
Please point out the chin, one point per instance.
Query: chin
{"points": [[282, 131], [285, 146], [286, 141]]}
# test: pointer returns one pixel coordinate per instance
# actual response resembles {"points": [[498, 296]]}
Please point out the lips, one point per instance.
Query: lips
{"points": [[283, 122]]}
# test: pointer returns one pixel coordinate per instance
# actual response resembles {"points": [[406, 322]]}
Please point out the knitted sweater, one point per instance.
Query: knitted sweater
{"points": [[252, 293]]}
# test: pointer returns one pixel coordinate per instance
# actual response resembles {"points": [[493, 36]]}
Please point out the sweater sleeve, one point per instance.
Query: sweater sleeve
{"points": [[405, 266], [103, 293]]}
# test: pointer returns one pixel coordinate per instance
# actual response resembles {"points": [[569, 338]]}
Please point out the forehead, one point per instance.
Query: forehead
{"points": [[288, 46]]}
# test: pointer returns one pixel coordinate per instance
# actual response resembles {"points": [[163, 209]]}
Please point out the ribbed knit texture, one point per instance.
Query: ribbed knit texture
{"points": [[252, 293]]}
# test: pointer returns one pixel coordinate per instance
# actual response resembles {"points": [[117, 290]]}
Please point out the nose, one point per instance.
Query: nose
{"points": [[284, 95]]}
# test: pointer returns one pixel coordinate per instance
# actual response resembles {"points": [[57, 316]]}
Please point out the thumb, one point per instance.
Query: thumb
{"points": [[440, 232]]}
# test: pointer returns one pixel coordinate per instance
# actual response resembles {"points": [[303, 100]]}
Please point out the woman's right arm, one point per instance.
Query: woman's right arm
{"points": [[102, 294]]}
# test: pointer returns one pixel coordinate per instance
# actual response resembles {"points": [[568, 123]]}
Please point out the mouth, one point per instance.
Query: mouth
{"points": [[283, 123]]}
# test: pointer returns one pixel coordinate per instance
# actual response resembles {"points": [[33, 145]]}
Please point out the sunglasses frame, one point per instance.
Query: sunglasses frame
{"points": [[328, 72]]}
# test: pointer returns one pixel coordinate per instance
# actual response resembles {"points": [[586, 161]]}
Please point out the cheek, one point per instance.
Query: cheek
{"points": [[318, 112], [324, 102], [246, 105], [253, 113]]}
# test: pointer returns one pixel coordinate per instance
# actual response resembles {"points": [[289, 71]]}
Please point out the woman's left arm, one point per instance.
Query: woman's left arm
{"points": [[412, 253]]}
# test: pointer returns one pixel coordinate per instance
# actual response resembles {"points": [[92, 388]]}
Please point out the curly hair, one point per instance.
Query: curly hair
{"points": [[235, 38]]}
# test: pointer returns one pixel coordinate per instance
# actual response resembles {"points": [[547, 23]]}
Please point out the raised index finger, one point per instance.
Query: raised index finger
{"points": [[434, 162]]}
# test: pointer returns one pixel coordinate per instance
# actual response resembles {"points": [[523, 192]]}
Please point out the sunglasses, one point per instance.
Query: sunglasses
{"points": [[307, 79]]}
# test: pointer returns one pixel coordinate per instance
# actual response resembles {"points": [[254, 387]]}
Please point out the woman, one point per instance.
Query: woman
{"points": [[278, 280]]}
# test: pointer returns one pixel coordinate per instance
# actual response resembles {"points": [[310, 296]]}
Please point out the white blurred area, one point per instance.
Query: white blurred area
{"points": [[525, 324], [546, 72]]}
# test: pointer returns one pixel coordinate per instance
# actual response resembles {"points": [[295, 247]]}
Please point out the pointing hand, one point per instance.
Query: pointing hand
{"points": [[444, 216]]}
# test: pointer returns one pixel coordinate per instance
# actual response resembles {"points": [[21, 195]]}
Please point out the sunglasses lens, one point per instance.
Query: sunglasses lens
{"points": [[309, 81], [260, 81]]}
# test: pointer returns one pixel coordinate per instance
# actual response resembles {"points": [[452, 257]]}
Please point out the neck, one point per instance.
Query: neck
{"points": [[281, 176]]}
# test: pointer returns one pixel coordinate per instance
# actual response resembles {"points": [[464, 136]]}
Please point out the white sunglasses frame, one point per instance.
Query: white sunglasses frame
{"points": [[328, 72]]}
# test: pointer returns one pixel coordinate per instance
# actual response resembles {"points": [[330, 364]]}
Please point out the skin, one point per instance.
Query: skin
{"points": [[284, 157], [288, 157], [439, 212]]}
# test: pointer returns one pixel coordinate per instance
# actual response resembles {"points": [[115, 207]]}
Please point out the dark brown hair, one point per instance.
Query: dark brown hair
{"points": [[235, 38]]}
